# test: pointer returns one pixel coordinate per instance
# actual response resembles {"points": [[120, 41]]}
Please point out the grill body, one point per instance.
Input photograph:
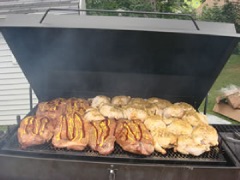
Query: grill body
{"points": [[67, 56]]}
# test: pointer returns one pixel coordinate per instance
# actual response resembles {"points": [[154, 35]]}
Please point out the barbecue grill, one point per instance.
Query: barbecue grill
{"points": [[84, 56]]}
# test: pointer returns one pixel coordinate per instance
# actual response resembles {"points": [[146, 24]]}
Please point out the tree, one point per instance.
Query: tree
{"points": [[230, 13]]}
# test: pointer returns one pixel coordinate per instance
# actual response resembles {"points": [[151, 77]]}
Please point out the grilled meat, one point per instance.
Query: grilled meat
{"points": [[187, 145], [206, 135], [195, 118], [76, 105], [71, 132], [180, 127], [100, 100], [111, 111], [120, 100], [177, 110], [34, 131], [93, 114], [131, 112], [134, 137], [52, 109], [163, 139], [154, 122], [101, 136]]}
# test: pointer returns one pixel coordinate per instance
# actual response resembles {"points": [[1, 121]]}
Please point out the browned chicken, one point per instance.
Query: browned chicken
{"points": [[163, 140], [111, 111], [34, 131], [195, 118], [52, 109], [187, 145], [120, 100], [180, 127], [100, 100], [161, 103], [131, 113], [93, 114], [101, 136], [76, 105], [177, 110], [205, 135], [71, 132], [154, 122], [134, 137]]}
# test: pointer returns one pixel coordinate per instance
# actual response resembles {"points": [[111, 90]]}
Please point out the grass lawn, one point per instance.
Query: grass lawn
{"points": [[229, 75]]}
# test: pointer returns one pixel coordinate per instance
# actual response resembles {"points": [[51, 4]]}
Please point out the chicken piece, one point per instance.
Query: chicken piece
{"points": [[187, 145], [134, 137], [180, 127], [111, 111], [100, 100], [206, 135], [168, 121], [195, 118], [161, 103], [93, 114], [137, 101], [151, 109], [102, 136], [131, 113], [163, 140], [52, 109], [177, 110], [34, 131], [76, 105], [154, 122], [71, 132], [120, 100]]}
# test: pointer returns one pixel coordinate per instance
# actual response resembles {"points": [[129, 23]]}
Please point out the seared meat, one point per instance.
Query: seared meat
{"points": [[34, 131], [101, 136], [76, 105], [71, 132], [100, 100], [120, 100], [134, 137], [52, 109]]}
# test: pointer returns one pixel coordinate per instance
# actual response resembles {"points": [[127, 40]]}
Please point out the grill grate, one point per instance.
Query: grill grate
{"points": [[213, 157]]}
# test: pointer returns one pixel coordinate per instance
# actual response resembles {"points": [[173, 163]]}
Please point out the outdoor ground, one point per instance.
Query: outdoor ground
{"points": [[229, 75]]}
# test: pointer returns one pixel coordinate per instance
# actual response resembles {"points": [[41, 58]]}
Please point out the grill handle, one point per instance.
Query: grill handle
{"points": [[127, 12], [112, 174]]}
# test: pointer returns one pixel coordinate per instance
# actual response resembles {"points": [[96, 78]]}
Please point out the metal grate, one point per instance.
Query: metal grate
{"points": [[213, 157]]}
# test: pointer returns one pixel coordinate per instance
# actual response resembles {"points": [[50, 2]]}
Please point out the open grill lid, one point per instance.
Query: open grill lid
{"points": [[71, 55]]}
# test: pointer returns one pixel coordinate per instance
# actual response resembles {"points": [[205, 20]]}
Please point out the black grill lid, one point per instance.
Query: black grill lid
{"points": [[72, 55]]}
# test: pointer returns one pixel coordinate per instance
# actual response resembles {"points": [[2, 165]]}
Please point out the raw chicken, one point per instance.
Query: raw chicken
{"points": [[195, 118], [93, 114], [154, 122]]}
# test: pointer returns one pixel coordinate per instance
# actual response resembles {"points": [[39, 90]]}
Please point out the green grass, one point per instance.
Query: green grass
{"points": [[229, 75]]}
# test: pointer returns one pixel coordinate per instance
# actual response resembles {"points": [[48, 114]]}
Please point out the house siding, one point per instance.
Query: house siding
{"points": [[14, 87]]}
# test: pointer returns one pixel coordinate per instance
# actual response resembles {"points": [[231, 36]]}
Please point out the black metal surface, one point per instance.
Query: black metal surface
{"points": [[123, 12], [213, 157], [175, 66]]}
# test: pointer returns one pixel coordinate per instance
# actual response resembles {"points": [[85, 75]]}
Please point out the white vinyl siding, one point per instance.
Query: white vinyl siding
{"points": [[14, 87]]}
